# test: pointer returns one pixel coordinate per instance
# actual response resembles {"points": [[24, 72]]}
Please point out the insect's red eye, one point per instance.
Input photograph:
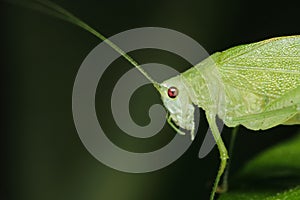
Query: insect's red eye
{"points": [[172, 92]]}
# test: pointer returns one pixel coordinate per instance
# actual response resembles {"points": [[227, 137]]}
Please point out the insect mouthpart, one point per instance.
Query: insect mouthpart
{"points": [[172, 92]]}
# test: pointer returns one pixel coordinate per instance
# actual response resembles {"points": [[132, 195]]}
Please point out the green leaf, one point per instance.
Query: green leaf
{"points": [[272, 175]]}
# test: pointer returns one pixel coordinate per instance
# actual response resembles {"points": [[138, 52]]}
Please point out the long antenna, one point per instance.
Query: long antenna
{"points": [[55, 10]]}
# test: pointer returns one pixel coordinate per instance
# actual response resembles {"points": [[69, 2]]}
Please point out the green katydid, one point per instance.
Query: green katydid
{"points": [[255, 85]]}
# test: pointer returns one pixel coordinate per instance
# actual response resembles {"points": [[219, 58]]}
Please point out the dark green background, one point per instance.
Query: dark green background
{"points": [[43, 155]]}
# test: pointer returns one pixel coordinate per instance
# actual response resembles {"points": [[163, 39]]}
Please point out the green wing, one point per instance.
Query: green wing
{"points": [[269, 68]]}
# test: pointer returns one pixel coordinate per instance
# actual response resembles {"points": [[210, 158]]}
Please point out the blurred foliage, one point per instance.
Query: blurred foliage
{"points": [[272, 175]]}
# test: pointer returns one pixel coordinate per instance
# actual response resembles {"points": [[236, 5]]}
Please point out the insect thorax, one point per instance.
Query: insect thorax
{"points": [[205, 87], [208, 91]]}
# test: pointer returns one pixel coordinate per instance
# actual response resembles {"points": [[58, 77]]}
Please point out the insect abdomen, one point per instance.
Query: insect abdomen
{"points": [[259, 78], [249, 80]]}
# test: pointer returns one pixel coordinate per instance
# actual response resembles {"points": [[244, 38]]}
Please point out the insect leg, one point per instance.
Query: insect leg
{"points": [[281, 110], [193, 134], [211, 118], [224, 186], [169, 120], [270, 118]]}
